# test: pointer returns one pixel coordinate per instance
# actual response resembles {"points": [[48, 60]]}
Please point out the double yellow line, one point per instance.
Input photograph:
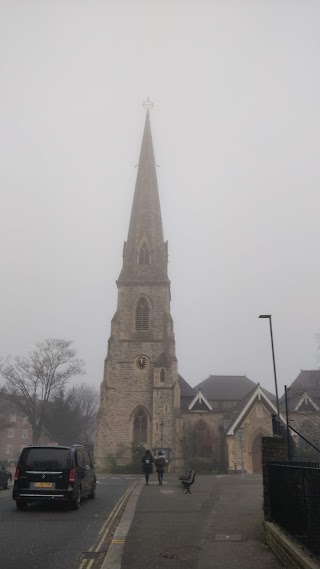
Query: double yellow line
{"points": [[103, 533]]}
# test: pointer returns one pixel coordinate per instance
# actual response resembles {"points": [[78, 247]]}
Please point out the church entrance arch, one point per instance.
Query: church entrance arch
{"points": [[256, 453]]}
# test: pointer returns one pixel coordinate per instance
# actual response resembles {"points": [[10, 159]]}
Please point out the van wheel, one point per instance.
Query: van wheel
{"points": [[92, 494], [75, 504], [21, 505]]}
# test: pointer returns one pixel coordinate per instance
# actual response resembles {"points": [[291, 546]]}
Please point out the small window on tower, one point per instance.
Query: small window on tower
{"points": [[142, 315], [162, 375], [144, 255]]}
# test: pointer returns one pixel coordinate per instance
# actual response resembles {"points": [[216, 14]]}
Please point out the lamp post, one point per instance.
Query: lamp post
{"points": [[268, 316]]}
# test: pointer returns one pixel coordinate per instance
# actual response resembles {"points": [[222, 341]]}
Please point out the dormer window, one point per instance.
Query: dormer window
{"points": [[144, 255], [142, 315]]}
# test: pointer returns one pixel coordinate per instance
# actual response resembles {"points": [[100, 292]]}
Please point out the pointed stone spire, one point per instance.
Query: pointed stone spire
{"points": [[145, 229]]}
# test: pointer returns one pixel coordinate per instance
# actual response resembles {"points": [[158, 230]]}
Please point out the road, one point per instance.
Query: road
{"points": [[55, 537]]}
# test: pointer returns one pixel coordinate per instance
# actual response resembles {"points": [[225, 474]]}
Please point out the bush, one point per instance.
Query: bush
{"points": [[129, 468]]}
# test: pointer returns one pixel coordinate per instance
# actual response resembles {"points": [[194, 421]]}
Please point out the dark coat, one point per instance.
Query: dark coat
{"points": [[160, 462], [147, 462]]}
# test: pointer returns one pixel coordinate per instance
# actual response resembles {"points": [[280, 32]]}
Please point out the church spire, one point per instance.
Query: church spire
{"points": [[145, 255]]}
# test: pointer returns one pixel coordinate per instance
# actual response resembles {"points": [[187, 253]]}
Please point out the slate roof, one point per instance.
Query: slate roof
{"points": [[226, 387], [186, 389], [308, 381]]}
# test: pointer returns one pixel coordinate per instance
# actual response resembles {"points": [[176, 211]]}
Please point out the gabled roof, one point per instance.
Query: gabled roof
{"points": [[248, 401], [226, 387], [305, 403], [307, 379], [199, 403], [186, 389], [307, 383]]}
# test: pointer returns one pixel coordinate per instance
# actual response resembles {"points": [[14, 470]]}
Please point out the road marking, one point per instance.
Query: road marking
{"points": [[107, 526], [114, 554]]}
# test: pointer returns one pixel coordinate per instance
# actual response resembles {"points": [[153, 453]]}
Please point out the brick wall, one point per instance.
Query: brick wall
{"points": [[274, 449]]}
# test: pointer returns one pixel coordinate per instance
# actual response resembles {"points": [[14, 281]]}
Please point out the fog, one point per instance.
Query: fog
{"points": [[235, 125]]}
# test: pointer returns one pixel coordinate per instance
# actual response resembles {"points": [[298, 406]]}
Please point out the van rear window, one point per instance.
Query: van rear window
{"points": [[49, 459]]}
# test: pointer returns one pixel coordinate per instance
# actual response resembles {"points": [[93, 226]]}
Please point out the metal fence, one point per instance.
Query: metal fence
{"points": [[295, 501]]}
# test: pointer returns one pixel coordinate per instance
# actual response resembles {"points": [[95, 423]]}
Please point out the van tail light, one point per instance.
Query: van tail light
{"points": [[72, 475], [17, 474]]}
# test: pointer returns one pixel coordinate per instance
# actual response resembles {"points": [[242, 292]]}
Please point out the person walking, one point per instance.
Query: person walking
{"points": [[147, 465], [160, 462]]}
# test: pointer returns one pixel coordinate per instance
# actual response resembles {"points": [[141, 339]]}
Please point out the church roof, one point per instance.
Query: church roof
{"points": [[243, 407], [226, 387], [308, 379], [185, 389], [304, 392]]}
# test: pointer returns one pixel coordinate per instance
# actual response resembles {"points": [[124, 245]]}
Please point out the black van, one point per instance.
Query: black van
{"points": [[54, 473]]}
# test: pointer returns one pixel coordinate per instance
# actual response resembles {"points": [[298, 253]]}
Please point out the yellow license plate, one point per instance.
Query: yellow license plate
{"points": [[43, 485]]}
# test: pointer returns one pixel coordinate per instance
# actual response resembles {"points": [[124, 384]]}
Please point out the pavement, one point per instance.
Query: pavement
{"points": [[218, 526]]}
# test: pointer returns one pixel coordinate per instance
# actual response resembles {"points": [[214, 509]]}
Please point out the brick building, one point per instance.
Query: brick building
{"points": [[143, 399], [15, 432]]}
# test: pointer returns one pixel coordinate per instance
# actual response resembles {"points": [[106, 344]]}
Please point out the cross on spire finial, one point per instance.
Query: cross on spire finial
{"points": [[148, 105]]}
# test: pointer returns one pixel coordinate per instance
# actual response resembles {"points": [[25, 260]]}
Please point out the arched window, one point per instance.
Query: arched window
{"points": [[144, 255], [140, 427], [162, 375], [202, 440], [142, 315]]}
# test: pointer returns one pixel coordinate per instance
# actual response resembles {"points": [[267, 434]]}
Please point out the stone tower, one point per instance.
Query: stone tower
{"points": [[140, 392]]}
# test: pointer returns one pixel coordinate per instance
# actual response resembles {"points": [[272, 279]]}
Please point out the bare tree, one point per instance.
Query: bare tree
{"points": [[32, 381], [84, 399]]}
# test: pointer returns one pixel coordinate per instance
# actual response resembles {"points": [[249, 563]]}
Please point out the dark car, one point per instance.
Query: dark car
{"points": [[54, 473], [5, 477]]}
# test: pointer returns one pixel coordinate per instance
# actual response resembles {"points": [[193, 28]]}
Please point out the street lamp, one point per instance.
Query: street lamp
{"points": [[273, 359]]}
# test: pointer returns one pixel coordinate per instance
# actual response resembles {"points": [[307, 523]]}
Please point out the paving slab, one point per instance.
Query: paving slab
{"points": [[218, 526]]}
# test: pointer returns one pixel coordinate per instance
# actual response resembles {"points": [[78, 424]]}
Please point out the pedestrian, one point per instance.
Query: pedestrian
{"points": [[160, 462], [147, 465]]}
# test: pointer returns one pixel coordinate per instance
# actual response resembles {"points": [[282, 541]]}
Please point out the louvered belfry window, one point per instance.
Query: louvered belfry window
{"points": [[144, 255], [142, 315]]}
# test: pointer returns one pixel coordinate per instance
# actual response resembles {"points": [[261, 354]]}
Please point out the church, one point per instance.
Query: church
{"points": [[214, 427]]}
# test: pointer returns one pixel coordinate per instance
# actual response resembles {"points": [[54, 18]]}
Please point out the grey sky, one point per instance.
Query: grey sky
{"points": [[236, 134]]}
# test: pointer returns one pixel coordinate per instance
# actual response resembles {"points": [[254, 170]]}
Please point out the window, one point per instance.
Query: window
{"points": [[10, 432], [49, 458], [144, 255], [24, 434], [80, 458], [12, 418], [140, 427], [142, 315], [25, 419], [162, 375], [202, 440], [9, 449]]}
